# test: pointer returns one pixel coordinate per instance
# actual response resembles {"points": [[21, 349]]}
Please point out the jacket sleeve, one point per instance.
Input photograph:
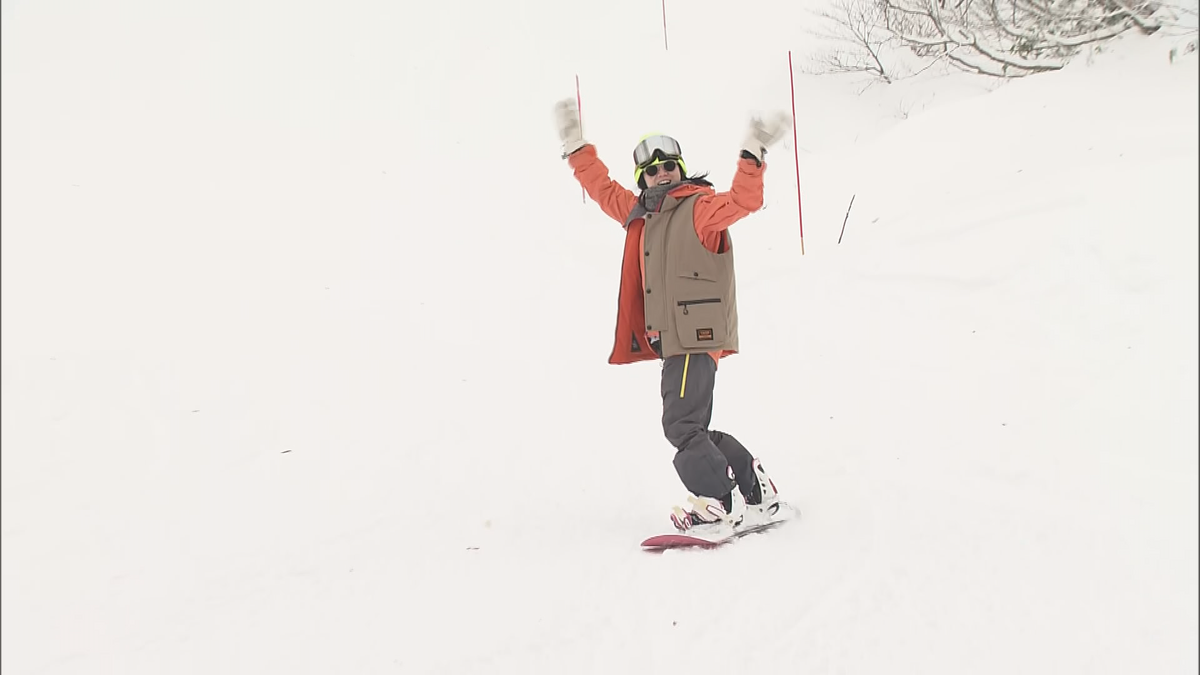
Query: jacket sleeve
{"points": [[715, 213], [616, 201]]}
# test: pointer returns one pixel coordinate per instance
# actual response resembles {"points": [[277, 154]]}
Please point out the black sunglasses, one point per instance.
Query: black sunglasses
{"points": [[667, 166]]}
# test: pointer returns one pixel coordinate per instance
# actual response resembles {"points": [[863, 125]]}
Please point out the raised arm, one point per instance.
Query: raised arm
{"points": [[715, 213], [592, 174]]}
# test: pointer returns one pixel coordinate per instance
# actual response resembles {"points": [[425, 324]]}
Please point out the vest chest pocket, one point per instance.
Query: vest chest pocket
{"points": [[697, 274], [701, 324]]}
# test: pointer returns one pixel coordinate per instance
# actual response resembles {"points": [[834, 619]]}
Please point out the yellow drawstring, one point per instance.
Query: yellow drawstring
{"points": [[683, 385]]}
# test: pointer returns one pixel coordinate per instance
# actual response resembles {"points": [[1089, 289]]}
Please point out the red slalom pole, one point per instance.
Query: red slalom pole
{"points": [[664, 5], [579, 106], [796, 148]]}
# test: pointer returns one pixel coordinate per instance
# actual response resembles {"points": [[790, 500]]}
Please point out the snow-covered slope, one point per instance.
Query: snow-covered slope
{"points": [[305, 326]]}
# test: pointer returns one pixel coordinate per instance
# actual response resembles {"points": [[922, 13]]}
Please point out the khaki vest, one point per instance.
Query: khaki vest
{"points": [[690, 292]]}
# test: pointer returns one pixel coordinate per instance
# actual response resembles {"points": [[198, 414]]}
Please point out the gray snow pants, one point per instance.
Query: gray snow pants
{"points": [[703, 457]]}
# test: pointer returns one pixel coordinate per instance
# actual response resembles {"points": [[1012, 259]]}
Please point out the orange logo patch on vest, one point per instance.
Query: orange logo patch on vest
{"points": [[704, 334]]}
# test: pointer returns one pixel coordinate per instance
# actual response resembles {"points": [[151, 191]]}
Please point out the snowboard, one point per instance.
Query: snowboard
{"points": [[662, 542]]}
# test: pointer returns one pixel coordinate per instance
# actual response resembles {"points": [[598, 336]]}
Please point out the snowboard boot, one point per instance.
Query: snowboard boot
{"points": [[710, 513], [763, 501]]}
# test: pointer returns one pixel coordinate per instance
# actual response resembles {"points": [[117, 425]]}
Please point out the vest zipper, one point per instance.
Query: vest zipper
{"points": [[686, 303]]}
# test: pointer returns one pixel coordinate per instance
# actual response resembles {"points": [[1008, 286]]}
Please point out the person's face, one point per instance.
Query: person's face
{"points": [[662, 173]]}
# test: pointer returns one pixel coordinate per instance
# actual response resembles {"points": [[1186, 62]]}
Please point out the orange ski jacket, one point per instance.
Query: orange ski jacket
{"points": [[714, 212]]}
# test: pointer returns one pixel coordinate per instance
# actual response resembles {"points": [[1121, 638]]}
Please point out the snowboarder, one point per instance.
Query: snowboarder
{"points": [[677, 300]]}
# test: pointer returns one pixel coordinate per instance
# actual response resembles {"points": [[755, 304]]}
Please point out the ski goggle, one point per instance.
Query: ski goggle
{"points": [[656, 150], [655, 144]]}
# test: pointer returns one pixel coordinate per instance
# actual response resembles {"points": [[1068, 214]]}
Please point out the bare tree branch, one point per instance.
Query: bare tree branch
{"points": [[1000, 38], [858, 25]]}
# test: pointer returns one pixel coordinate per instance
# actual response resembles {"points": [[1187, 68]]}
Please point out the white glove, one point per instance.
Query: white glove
{"points": [[764, 133], [566, 112]]}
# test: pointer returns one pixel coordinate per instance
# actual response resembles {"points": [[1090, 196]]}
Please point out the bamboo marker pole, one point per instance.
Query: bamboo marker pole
{"points": [[664, 10], [796, 148], [579, 107], [847, 217]]}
